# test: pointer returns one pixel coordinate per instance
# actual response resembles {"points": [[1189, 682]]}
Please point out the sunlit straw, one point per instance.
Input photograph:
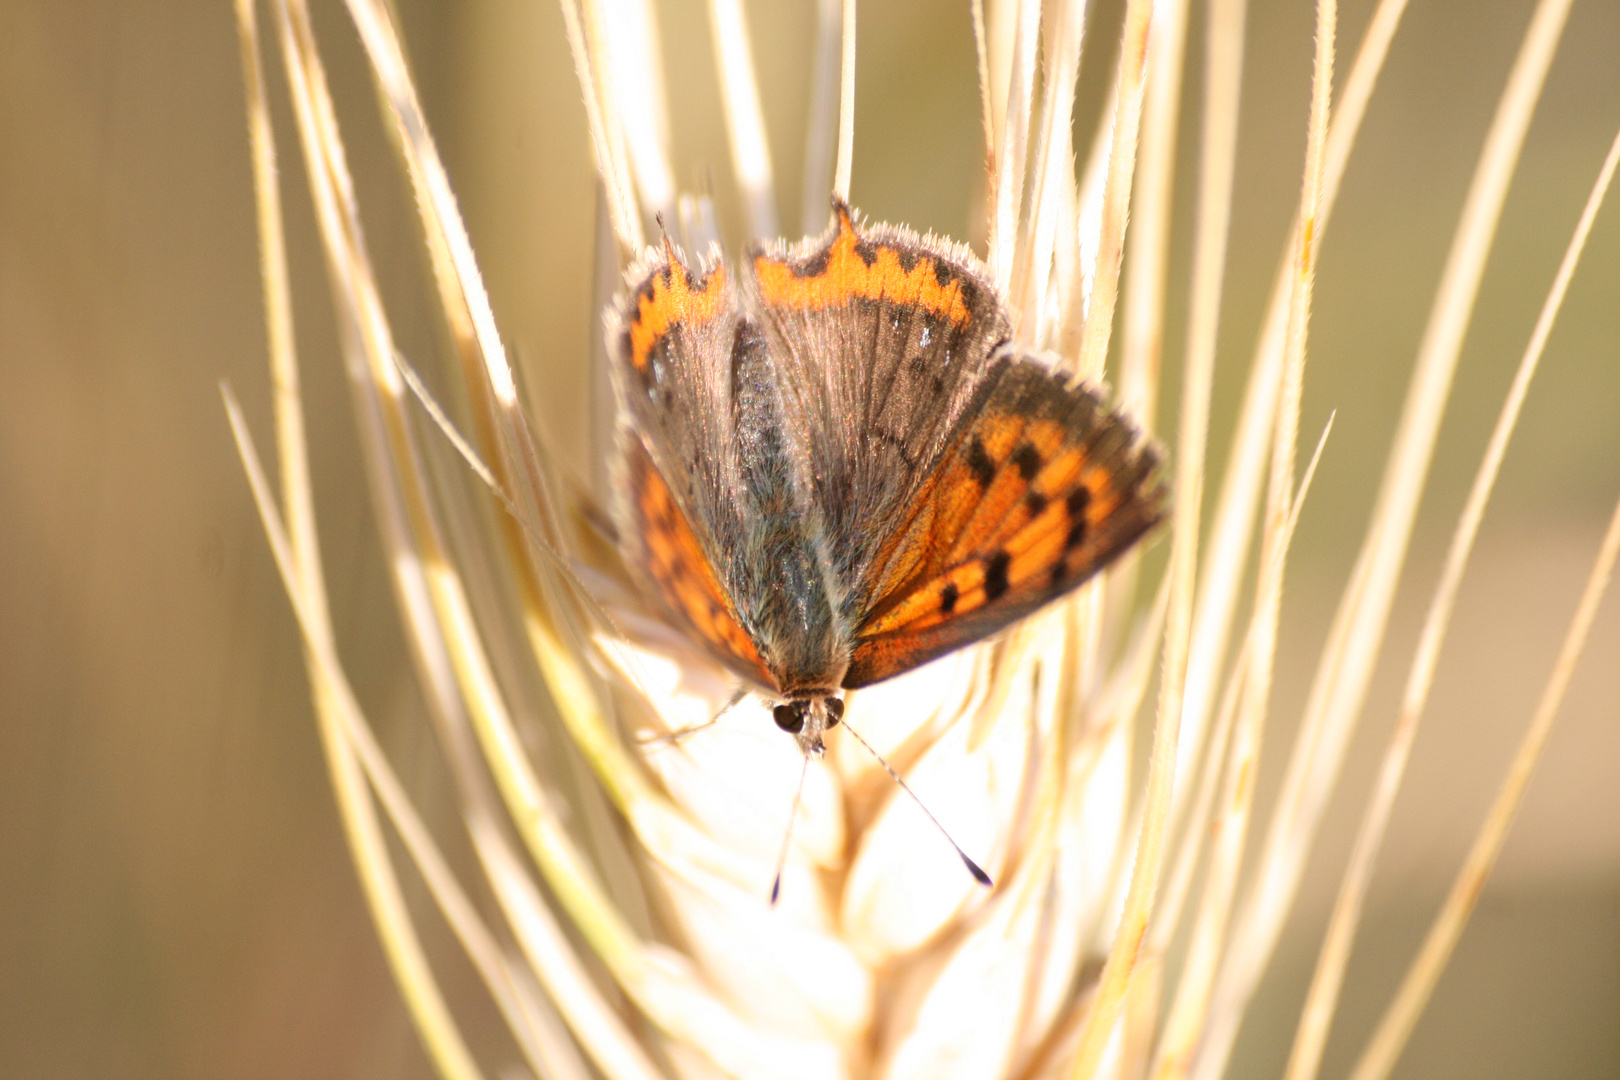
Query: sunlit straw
{"points": [[1322, 999], [1352, 647]]}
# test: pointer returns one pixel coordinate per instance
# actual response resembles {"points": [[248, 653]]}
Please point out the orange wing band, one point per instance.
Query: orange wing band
{"points": [[849, 274], [669, 298]]}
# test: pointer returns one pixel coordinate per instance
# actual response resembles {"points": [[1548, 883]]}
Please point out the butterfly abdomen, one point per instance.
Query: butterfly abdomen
{"points": [[779, 574]]}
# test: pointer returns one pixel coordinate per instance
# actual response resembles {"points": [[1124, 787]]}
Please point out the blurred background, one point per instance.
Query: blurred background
{"points": [[175, 895]]}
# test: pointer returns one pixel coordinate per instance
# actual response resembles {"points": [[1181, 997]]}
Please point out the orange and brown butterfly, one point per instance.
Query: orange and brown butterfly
{"points": [[836, 467]]}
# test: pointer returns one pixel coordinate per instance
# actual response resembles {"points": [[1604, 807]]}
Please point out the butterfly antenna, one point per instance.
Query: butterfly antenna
{"points": [[972, 867], [787, 837]]}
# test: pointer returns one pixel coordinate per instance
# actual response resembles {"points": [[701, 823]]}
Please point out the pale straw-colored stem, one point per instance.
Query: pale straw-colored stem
{"points": [[1223, 73], [439, 622], [1322, 1000], [367, 845], [532, 1020], [1146, 268], [463, 297], [981, 54], [621, 202], [846, 102], [1088, 341], [663, 988], [1346, 667], [1242, 722], [1122, 956], [551, 601], [1012, 151], [1398, 1021], [557, 640], [1054, 167], [821, 130], [1191, 830], [745, 121], [1230, 534], [1191, 1005], [1087, 228], [633, 73], [291, 444]]}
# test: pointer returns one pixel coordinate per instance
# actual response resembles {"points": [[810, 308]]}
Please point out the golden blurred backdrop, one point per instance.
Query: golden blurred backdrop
{"points": [[175, 895]]}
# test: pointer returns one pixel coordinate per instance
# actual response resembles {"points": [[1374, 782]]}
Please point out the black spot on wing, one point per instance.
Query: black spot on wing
{"points": [[1077, 535], [983, 469], [1028, 460], [1078, 500], [947, 597], [995, 575]]}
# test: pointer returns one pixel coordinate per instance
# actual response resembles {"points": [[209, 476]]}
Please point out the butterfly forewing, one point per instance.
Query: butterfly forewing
{"points": [[880, 338], [1041, 486]]}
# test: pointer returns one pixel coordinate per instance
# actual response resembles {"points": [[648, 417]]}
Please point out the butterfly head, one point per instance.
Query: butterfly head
{"points": [[807, 719]]}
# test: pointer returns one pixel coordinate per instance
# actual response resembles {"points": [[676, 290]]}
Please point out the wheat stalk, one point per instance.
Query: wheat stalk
{"points": [[630, 934]]}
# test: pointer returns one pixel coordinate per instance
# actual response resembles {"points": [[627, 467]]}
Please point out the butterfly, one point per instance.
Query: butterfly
{"points": [[835, 466]]}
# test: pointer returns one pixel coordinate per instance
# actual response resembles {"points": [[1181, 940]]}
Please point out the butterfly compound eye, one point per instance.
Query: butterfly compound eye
{"points": [[790, 717], [835, 711]]}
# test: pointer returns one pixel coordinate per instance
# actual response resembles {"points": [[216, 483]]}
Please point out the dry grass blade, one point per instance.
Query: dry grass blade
{"points": [[367, 845], [289, 410], [1099, 1023], [745, 123], [429, 591], [633, 71], [981, 53], [1402, 1016], [442, 627], [1322, 999], [1012, 150], [1353, 643], [1054, 169], [1147, 268], [1230, 535], [846, 102], [1242, 724], [1087, 340], [439, 620], [1222, 84], [821, 146], [465, 301], [621, 202], [553, 604], [531, 1019], [438, 1028]]}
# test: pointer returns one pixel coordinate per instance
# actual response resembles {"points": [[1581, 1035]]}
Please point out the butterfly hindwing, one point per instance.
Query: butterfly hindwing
{"points": [[681, 508], [1041, 486], [671, 558]]}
